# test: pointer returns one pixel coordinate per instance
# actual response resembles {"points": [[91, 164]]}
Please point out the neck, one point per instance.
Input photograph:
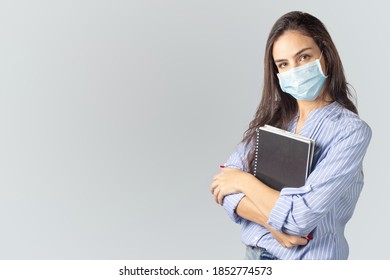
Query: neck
{"points": [[305, 106]]}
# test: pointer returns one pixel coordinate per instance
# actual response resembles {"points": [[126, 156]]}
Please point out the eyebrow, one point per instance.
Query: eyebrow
{"points": [[295, 55]]}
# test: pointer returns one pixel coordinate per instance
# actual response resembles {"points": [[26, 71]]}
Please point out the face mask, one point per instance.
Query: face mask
{"points": [[304, 82]]}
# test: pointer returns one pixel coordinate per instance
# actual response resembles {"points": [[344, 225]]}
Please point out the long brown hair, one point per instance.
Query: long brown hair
{"points": [[278, 108]]}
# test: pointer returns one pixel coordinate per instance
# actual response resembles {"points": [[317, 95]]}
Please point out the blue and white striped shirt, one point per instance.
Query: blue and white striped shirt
{"points": [[326, 202]]}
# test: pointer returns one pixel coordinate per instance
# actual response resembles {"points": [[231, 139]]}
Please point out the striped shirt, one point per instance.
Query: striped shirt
{"points": [[326, 202]]}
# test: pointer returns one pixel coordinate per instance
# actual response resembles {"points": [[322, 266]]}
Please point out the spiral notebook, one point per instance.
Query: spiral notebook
{"points": [[282, 158]]}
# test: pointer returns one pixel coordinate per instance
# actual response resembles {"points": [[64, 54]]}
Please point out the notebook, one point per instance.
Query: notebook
{"points": [[282, 158]]}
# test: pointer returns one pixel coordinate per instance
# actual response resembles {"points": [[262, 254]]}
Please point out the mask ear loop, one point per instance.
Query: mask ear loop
{"points": [[319, 60]]}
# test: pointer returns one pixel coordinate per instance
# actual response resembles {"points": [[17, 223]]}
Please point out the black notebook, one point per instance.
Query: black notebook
{"points": [[282, 158]]}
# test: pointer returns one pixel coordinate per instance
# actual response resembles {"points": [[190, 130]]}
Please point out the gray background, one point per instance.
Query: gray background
{"points": [[115, 115]]}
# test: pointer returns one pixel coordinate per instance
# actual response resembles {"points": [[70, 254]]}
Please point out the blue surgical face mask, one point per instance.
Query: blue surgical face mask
{"points": [[304, 82]]}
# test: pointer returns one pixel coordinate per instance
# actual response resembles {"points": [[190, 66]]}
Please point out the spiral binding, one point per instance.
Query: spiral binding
{"points": [[256, 151]]}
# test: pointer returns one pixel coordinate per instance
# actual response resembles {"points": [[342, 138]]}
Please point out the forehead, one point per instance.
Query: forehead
{"points": [[290, 42]]}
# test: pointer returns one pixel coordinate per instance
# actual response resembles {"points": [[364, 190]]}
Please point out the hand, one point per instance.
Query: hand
{"points": [[287, 240], [229, 181]]}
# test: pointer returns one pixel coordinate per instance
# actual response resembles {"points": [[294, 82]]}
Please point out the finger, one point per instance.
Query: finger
{"points": [[309, 236], [229, 169], [220, 197], [303, 241], [225, 169], [214, 185], [216, 193]]}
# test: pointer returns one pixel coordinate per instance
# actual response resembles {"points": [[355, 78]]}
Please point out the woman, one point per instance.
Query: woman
{"points": [[305, 92]]}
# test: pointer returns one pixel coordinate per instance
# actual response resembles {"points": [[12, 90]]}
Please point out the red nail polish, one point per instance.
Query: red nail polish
{"points": [[222, 166], [309, 236]]}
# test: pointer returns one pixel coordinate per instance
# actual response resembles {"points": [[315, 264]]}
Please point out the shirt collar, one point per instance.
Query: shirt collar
{"points": [[315, 118]]}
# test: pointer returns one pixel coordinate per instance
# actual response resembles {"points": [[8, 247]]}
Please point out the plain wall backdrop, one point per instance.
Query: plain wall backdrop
{"points": [[115, 115]]}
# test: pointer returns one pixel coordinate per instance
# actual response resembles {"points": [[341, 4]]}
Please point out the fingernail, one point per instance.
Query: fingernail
{"points": [[222, 166], [309, 236]]}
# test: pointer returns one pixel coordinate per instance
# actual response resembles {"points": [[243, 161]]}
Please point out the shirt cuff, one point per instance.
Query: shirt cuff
{"points": [[279, 214], [230, 203]]}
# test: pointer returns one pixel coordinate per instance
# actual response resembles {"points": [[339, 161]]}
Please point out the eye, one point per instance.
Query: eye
{"points": [[282, 65], [304, 57]]}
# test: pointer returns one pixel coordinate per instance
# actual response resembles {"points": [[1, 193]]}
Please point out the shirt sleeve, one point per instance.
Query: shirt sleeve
{"points": [[299, 210], [236, 160]]}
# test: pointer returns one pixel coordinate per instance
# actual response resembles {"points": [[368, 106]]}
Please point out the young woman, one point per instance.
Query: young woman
{"points": [[305, 92]]}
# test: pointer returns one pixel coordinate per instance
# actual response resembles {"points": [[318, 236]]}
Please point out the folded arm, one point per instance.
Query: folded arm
{"points": [[239, 207], [254, 204], [300, 210], [247, 210]]}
